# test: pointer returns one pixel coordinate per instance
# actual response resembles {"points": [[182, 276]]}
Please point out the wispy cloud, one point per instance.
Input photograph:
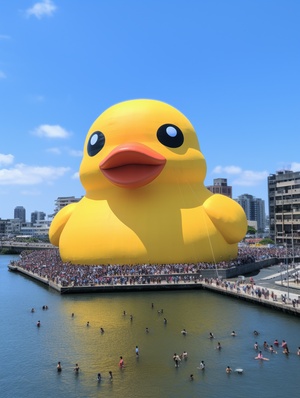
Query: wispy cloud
{"points": [[2, 75], [75, 153], [22, 174], [37, 98], [295, 166], [54, 131], [240, 177], [4, 37], [55, 151], [75, 176], [6, 159], [45, 8]]}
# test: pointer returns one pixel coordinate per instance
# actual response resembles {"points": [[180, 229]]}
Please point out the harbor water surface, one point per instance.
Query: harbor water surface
{"points": [[29, 354]]}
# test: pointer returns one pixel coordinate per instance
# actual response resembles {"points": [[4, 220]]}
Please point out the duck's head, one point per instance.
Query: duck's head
{"points": [[138, 142]]}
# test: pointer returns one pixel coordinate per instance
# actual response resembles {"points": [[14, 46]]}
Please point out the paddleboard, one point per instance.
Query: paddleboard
{"points": [[262, 359]]}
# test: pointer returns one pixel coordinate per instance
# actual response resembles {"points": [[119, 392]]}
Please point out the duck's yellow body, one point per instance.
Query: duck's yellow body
{"points": [[145, 200]]}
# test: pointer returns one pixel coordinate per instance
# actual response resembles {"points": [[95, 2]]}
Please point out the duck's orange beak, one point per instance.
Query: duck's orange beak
{"points": [[132, 165]]}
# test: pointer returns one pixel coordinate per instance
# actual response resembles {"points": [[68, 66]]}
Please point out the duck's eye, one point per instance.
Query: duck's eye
{"points": [[96, 143], [170, 135]]}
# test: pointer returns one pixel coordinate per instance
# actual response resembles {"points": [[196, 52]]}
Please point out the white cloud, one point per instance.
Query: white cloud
{"points": [[55, 151], [249, 178], [6, 159], [75, 153], [2, 75], [55, 131], [22, 174], [75, 176], [246, 178], [41, 9], [295, 166], [4, 37], [36, 98], [227, 170]]}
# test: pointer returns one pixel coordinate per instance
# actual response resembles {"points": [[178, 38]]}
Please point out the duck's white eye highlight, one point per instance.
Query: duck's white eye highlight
{"points": [[171, 131]]}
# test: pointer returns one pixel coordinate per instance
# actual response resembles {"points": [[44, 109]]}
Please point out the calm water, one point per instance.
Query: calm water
{"points": [[29, 354]]}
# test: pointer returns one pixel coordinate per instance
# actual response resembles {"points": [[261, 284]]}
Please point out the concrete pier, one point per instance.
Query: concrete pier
{"points": [[273, 300]]}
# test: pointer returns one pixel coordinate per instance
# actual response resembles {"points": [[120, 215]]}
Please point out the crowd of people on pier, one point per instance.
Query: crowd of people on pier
{"points": [[48, 264]]}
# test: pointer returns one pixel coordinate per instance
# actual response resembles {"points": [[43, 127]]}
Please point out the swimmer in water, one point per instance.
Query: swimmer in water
{"points": [[121, 362], [184, 332], [211, 336], [76, 369], [88, 324], [137, 353], [191, 377], [202, 365], [184, 355], [286, 350], [58, 367], [38, 324], [256, 346], [99, 377], [110, 375], [219, 347], [177, 360], [233, 333], [147, 330], [101, 330], [283, 344], [228, 369], [260, 355], [298, 351]]}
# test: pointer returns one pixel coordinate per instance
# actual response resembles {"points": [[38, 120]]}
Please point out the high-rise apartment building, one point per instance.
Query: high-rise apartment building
{"points": [[37, 216], [20, 213], [254, 209], [63, 201], [220, 186], [284, 207]]}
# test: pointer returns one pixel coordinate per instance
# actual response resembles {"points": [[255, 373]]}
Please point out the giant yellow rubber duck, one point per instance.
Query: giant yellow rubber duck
{"points": [[145, 202]]}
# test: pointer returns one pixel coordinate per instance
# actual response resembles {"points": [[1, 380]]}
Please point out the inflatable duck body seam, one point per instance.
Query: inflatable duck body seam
{"points": [[145, 202]]}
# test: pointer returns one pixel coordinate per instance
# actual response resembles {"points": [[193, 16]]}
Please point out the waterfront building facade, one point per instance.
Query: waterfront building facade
{"points": [[254, 209], [37, 216], [63, 201], [284, 207], [220, 186]]}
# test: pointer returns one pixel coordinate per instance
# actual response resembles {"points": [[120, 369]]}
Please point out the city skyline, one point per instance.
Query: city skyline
{"points": [[231, 67]]}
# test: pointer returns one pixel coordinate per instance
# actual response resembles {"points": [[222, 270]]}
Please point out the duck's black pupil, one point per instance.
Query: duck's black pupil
{"points": [[170, 135], [96, 143]]}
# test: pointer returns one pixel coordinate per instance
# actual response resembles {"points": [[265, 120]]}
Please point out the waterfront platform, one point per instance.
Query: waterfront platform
{"points": [[275, 299]]}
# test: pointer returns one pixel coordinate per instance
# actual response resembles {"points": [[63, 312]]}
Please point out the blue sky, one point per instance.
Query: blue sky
{"points": [[231, 66]]}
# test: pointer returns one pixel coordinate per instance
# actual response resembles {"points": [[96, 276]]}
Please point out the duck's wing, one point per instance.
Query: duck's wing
{"points": [[228, 217], [59, 222]]}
